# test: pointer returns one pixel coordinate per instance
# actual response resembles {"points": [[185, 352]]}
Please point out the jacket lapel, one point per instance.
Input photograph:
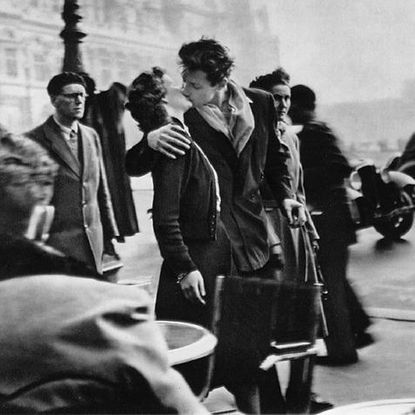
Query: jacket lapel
{"points": [[86, 151], [58, 146], [253, 132]]}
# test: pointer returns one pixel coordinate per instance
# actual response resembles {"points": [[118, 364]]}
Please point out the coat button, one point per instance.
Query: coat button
{"points": [[85, 226]]}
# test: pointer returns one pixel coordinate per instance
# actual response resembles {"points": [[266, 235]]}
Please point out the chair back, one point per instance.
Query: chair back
{"points": [[254, 312]]}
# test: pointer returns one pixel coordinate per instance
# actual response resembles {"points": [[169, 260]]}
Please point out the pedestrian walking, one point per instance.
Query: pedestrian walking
{"points": [[325, 169]]}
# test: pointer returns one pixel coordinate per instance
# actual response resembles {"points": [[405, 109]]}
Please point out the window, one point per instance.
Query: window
{"points": [[11, 62], [40, 67]]}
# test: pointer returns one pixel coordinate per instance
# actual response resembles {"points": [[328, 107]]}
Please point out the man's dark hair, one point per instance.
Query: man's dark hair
{"points": [[90, 85], [145, 100], [267, 81], [209, 56], [56, 84], [304, 97]]}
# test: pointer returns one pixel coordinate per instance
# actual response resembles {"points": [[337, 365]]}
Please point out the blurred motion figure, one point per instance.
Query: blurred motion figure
{"points": [[325, 168]]}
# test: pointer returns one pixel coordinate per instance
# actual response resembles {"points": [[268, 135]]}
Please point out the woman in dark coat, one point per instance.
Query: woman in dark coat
{"points": [[190, 234]]}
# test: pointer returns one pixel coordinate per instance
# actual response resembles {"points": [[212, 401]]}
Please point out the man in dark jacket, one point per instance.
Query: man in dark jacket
{"points": [[325, 168]]}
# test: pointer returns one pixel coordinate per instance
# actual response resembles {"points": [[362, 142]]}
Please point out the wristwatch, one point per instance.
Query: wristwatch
{"points": [[181, 276]]}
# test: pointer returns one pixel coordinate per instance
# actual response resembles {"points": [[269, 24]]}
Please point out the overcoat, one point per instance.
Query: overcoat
{"points": [[299, 260], [81, 197], [240, 176], [104, 114]]}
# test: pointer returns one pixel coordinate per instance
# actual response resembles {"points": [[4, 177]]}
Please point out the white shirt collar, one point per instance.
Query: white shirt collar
{"points": [[67, 130]]}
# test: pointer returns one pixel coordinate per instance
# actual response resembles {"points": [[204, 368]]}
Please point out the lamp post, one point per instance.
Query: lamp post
{"points": [[72, 37]]}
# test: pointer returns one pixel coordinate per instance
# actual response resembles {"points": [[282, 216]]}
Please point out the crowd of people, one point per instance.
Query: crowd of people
{"points": [[247, 182]]}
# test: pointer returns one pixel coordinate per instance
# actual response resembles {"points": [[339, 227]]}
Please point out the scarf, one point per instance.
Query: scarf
{"points": [[235, 120]]}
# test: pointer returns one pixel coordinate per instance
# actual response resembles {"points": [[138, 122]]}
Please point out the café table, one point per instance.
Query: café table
{"points": [[191, 349]]}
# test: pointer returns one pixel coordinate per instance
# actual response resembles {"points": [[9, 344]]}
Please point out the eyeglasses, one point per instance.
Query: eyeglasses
{"points": [[75, 95]]}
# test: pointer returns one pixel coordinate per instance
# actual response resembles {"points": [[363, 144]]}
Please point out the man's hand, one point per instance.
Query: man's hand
{"points": [[295, 212], [193, 287], [170, 140]]}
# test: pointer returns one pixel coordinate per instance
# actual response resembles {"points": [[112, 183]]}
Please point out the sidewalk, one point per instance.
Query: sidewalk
{"points": [[385, 370]]}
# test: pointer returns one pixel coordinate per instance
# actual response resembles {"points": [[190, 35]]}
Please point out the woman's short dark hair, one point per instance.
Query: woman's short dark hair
{"points": [[267, 81], [145, 100], [209, 56]]}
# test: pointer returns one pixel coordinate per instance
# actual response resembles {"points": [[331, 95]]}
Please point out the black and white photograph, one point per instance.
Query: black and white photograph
{"points": [[207, 207]]}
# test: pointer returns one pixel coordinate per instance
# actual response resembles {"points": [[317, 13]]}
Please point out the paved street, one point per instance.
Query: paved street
{"points": [[384, 272]]}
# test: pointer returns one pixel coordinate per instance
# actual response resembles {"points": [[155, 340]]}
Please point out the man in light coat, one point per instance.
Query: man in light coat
{"points": [[82, 201]]}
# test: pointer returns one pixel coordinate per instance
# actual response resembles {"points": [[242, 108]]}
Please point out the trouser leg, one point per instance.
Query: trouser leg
{"points": [[359, 319], [271, 396], [246, 397], [340, 340], [299, 388]]}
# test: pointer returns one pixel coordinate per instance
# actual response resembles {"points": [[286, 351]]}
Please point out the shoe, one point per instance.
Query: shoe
{"points": [[317, 404], [363, 339], [336, 361]]}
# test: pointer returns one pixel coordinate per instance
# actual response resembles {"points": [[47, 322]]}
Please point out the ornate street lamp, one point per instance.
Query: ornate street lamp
{"points": [[72, 37]]}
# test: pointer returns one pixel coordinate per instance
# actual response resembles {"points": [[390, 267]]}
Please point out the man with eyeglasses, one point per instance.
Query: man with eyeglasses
{"points": [[83, 208]]}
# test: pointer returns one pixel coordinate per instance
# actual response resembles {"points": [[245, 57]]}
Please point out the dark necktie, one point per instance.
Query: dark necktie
{"points": [[73, 142]]}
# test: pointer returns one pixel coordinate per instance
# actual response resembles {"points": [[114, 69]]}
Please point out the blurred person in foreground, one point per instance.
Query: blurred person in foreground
{"points": [[82, 202], [234, 127], [325, 169], [27, 177], [72, 344]]}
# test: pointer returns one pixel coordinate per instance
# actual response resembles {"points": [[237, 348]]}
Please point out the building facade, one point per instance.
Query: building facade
{"points": [[123, 38]]}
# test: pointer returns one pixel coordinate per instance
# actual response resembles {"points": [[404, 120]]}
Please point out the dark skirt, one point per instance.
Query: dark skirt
{"points": [[212, 258]]}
